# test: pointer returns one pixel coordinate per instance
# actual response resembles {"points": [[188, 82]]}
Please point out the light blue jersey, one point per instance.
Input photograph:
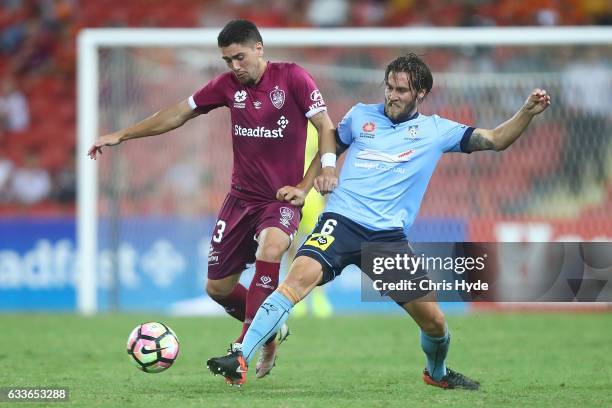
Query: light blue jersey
{"points": [[388, 166]]}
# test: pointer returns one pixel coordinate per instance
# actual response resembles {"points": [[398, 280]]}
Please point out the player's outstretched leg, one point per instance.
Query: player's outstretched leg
{"points": [[272, 244], [269, 318], [230, 294], [304, 275], [435, 341]]}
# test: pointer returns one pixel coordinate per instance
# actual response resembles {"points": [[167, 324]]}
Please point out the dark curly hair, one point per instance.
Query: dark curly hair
{"points": [[238, 32], [418, 72]]}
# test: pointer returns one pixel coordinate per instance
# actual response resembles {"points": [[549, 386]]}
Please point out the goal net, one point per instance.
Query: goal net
{"points": [[147, 207]]}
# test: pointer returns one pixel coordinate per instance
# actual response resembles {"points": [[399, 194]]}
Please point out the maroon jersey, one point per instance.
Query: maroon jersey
{"points": [[269, 122]]}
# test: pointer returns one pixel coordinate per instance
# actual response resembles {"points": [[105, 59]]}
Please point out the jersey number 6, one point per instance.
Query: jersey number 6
{"points": [[328, 227]]}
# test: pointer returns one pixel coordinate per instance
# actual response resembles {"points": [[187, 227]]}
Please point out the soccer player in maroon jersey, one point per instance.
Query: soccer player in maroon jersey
{"points": [[270, 104]]}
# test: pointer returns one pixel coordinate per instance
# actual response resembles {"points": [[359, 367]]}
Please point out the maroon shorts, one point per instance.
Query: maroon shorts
{"points": [[234, 239]]}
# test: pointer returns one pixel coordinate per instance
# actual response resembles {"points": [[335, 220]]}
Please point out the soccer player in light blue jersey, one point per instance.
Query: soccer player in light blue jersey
{"points": [[392, 151]]}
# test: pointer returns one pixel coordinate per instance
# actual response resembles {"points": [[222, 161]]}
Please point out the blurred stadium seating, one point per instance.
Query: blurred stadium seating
{"points": [[38, 49]]}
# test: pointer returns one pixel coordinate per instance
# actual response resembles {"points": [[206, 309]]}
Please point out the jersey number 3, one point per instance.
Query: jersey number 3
{"points": [[219, 234]]}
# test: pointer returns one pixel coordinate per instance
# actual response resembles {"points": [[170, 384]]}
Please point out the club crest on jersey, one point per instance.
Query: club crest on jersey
{"points": [[412, 133], [286, 216], [277, 96]]}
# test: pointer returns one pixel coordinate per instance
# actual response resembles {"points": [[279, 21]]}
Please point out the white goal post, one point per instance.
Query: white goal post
{"points": [[90, 41]]}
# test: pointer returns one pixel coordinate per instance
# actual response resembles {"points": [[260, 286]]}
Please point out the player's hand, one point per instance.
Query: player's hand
{"points": [[537, 102], [110, 139], [291, 194], [327, 181]]}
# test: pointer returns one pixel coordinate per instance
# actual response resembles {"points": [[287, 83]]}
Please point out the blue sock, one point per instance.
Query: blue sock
{"points": [[436, 349], [271, 315]]}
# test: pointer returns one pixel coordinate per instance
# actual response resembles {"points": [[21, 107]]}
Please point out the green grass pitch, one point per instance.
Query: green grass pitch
{"points": [[534, 360]]}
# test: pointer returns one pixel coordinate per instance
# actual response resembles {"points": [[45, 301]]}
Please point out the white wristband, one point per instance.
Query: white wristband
{"points": [[328, 160]]}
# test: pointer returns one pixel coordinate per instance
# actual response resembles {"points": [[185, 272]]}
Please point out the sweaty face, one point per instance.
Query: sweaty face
{"points": [[400, 99], [244, 61]]}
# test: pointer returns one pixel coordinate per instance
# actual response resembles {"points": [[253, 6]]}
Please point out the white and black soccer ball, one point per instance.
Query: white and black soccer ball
{"points": [[153, 347]]}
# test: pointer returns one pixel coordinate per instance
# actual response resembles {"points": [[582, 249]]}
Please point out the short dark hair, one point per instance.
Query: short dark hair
{"points": [[419, 75], [238, 32]]}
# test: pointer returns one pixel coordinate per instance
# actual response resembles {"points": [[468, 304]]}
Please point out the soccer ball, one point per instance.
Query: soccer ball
{"points": [[153, 347]]}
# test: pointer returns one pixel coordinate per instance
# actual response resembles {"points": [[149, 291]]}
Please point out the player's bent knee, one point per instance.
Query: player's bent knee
{"points": [[270, 252], [273, 242], [439, 323], [435, 325]]}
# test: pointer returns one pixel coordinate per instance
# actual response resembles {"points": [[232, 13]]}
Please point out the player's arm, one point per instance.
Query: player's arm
{"points": [[158, 123], [340, 146], [328, 180], [505, 134]]}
